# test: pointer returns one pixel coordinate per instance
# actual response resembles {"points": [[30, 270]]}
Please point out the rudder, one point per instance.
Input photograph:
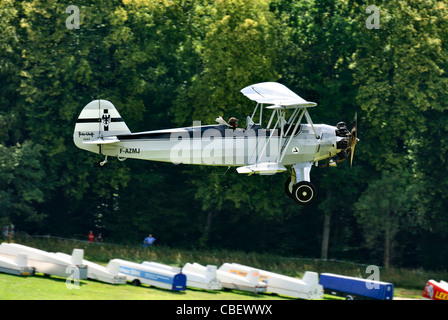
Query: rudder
{"points": [[98, 119]]}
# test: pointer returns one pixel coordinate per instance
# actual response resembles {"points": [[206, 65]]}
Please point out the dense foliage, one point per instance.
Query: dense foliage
{"points": [[167, 63]]}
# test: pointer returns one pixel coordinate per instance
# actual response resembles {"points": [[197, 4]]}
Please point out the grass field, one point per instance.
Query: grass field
{"points": [[41, 287]]}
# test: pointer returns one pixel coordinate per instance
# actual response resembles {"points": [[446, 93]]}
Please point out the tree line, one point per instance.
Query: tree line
{"points": [[166, 64]]}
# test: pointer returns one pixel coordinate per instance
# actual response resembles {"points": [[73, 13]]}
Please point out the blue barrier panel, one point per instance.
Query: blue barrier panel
{"points": [[356, 288], [178, 281]]}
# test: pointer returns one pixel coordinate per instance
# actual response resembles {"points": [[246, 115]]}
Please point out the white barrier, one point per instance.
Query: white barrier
{"points": [[46, 262], [202, 277], [196, 277], [18, 266], [158, 265], [98, 272], [306, 288], [150, 275], [249, 283]]}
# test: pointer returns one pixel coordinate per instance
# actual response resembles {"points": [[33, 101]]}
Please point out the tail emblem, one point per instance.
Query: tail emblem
{"points": [[105, 119]]}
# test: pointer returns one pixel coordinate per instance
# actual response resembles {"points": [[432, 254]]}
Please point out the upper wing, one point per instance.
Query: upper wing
{"points": [[276, 94]]}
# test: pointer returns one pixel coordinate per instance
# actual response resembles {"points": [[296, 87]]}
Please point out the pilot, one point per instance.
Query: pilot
{"points": [[233, 122]]}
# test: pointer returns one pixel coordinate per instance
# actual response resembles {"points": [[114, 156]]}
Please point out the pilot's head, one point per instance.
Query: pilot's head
{"points": [[233, 122]]}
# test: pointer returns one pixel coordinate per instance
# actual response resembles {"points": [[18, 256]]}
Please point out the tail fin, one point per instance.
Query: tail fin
{"points": [[98, 120]]}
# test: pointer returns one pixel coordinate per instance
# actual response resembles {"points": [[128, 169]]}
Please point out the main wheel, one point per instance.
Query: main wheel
{"points": [[304, 193]]}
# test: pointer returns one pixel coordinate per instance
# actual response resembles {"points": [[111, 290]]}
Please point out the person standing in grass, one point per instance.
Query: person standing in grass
{"points": [[90, 236], [148, 241], [99, 239]]}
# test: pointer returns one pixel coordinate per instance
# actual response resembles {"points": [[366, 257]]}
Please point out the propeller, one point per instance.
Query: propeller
{"points": [[353, 138], [349, 149]]}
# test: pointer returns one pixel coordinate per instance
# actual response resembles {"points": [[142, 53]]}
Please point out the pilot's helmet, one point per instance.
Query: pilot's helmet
{"points": [[341, 125], [233, 121]]}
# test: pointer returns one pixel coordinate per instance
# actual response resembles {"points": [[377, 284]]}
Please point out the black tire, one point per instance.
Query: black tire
{"points": [[135, 282], [304, 193]]}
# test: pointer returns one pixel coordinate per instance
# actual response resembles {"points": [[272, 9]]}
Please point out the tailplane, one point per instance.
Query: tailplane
{"points": [[98, 123]]}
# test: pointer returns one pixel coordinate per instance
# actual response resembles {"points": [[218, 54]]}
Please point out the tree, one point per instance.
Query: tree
{"points": [[21, 185], [238, 49], [385, 208], [317, 47], [400, 69], [10, 115], [237, 197], [400, 72]]}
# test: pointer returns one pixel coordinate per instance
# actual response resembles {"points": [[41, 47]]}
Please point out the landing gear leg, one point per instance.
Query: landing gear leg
{"points": [[298, 186]]}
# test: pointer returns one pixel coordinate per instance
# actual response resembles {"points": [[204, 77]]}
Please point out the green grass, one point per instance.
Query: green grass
{"points": [[41, 287]]}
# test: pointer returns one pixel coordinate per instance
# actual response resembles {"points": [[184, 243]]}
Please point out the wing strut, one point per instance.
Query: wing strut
{"points": [[296, 127], [308, 118]]}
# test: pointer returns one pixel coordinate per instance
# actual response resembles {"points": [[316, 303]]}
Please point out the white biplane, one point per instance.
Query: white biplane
{"points": [[284, 144]]}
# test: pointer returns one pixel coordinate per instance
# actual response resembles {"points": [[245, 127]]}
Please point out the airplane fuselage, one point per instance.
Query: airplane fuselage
{"points": [[217, 145]]}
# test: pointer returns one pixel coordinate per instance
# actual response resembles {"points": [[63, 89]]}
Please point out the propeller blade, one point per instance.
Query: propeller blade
{"points": [[352, 152], [353, 138]]}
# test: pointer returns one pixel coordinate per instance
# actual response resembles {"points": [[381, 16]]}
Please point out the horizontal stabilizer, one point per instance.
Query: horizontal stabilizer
{"points": [[105, 140], [262, 168]]}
